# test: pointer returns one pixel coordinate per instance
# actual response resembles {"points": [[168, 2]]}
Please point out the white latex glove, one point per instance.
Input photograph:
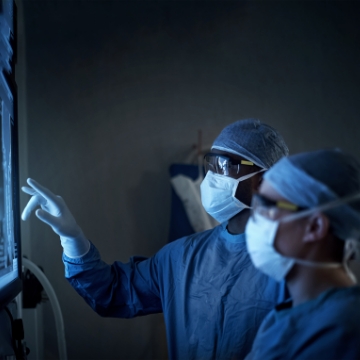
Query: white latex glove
{"points": [[55, 213]]}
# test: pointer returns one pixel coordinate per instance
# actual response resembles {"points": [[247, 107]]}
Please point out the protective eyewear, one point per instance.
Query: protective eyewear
{"points": [[224, 165], [271, 209]]}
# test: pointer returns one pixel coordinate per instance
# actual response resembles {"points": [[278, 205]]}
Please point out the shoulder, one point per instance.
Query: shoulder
{"points": [[341, 306], [327, 329], [189, 244], [332, 329], [192, 240]]}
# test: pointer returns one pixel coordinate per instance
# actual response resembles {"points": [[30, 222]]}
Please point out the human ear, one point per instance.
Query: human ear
{"points": [[316, 228]]}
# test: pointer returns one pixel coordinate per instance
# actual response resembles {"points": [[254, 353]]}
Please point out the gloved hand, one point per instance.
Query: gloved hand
{"points": [[55, 213]]}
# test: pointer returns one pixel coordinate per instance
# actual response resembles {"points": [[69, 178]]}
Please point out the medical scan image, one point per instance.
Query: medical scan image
{"points": [[7, 246]]}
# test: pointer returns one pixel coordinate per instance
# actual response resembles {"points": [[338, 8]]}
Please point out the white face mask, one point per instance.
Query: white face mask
{"points": [[218, 195], [260, 235]]}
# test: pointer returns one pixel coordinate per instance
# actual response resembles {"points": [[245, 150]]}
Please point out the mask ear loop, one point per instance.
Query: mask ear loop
{"points": [[322, 265], [243, 178], [350, 247], [320, 208], [349, 251], [248, 176]]}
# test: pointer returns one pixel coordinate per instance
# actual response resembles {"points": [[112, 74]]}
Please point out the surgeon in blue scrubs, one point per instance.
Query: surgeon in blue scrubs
{"points": [[212, 297], [305, 227]]}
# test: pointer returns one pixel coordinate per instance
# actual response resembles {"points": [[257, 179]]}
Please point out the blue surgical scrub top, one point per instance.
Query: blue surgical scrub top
{"points": [[212, 297], [327, 327]]}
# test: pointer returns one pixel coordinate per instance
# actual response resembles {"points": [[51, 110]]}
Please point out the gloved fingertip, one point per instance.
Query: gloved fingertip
{"points": [[31, 182], [25, 214]]}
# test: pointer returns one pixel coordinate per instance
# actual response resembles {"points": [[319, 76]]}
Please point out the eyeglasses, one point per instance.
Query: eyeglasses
{"points": [[271, 209], [224, 165]]}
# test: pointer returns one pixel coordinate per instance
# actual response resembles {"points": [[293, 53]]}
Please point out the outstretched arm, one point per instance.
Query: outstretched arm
{"points": [[119, 290]]}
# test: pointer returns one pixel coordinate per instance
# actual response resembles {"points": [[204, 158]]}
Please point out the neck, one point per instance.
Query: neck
{"points": [[237, 223], [306, 283]]}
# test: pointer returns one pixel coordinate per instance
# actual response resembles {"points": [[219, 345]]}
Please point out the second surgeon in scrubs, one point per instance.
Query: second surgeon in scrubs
{"points": [[304, 228]]}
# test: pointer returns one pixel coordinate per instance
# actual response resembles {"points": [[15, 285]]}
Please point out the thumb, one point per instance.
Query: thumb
{"points": [[47, 218]]}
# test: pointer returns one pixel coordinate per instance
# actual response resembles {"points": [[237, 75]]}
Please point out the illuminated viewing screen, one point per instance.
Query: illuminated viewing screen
{"points": [[10, 274], [8, 245]]}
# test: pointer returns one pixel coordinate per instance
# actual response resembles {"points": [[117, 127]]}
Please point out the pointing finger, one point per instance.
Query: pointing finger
{"points": [[33, 203], [28, 190], [42, 190]]}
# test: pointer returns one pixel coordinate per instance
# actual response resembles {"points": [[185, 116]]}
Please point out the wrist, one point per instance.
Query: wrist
{"points": [[75, 247]]}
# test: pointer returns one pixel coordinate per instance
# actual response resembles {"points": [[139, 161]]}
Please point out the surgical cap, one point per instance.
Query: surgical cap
{"points": [[253, 140], [314, 178]]}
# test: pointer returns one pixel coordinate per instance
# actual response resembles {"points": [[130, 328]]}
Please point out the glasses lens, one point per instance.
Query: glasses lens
{"points": [[209, 163], [221, 164], [270, 208], [263, 206]]}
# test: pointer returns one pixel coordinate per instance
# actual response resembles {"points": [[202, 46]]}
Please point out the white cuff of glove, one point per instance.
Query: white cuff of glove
{"points": [[75, 247]]}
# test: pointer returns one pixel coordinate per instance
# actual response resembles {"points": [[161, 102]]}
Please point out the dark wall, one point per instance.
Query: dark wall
{"points": [[116, 92]]}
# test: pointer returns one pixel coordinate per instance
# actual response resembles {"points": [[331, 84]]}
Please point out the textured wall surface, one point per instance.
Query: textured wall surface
{"points": [[116, 92]]}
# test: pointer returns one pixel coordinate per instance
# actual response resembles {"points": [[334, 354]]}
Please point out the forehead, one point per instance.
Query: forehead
{"points": [[268, 191]]}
